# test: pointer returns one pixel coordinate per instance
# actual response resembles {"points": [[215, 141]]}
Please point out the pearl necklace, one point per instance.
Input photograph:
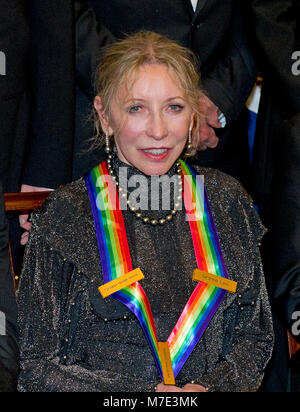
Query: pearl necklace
{"points": [[139, 215]]}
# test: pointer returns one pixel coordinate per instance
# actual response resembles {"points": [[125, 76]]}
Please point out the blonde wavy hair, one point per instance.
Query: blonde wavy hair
{"points": [[125, 57]]}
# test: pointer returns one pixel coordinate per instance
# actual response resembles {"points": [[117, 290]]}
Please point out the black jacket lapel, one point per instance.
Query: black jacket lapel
{"points": [[190, 8], [200, 5]]}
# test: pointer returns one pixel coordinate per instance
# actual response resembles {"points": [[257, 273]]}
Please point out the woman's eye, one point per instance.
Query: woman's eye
{"points": [[135, 109], [176, 107]]}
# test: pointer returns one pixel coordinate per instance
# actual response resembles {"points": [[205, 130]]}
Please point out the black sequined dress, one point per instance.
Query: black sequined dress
{"points": [[74, 340]]}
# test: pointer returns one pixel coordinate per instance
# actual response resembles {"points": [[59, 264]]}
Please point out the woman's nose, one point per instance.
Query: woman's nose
{"points": [[157, 127]]}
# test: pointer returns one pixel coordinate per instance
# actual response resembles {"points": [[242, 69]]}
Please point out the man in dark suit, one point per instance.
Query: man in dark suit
{"points": [[276, 165], [37, 93], [9, 352], [214, 31], [36, 97], [14, 97]]}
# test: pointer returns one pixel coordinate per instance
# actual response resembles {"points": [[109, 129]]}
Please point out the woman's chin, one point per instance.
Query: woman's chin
{"points": [[152, 165], [155, 170]]}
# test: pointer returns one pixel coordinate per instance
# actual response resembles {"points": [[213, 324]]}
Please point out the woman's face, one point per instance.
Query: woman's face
{"points": [[151, 124]]}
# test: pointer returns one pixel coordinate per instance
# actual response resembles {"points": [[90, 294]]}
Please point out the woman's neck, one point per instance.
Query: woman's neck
{"points": [[147, 193]]}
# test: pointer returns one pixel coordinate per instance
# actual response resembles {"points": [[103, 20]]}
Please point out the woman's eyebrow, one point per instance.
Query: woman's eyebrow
{"points": [[175, 98], [136, 100]]}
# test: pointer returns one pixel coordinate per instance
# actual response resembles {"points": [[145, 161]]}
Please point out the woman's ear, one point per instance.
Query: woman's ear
{"points": [[103, 117]]}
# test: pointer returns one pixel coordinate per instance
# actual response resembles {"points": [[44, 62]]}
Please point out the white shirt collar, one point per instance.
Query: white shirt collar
{"points": [[194, 4]]}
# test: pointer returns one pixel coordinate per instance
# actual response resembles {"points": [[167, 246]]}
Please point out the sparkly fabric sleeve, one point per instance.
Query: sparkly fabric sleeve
{"points": [[48, 288], [247, 346]]}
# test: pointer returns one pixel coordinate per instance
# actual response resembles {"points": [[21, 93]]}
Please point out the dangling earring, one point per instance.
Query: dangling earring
{"points": [[189, 149], [107, 146]]}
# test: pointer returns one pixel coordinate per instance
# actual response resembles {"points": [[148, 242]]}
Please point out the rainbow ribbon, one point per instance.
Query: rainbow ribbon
{"points": [[116, 261]]}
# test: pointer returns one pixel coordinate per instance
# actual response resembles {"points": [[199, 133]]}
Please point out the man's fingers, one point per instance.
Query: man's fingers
{"points": [[213, 121], [213, 141], [207, 138], [24, 238], [23, 219], [210, 112]]}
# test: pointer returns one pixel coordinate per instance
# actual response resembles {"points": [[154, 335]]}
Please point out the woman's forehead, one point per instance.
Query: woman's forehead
{"points": [[149, 79]]}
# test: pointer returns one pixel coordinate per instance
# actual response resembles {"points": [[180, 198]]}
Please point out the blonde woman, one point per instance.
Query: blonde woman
{"points": [[107, 298]]}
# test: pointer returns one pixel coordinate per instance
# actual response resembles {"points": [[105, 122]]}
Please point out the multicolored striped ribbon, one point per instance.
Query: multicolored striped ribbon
{"points": [[116, 261], [205, 299]]}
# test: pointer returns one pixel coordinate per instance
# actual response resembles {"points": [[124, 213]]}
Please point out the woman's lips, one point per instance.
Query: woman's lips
{"points": [[157, 154]]}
